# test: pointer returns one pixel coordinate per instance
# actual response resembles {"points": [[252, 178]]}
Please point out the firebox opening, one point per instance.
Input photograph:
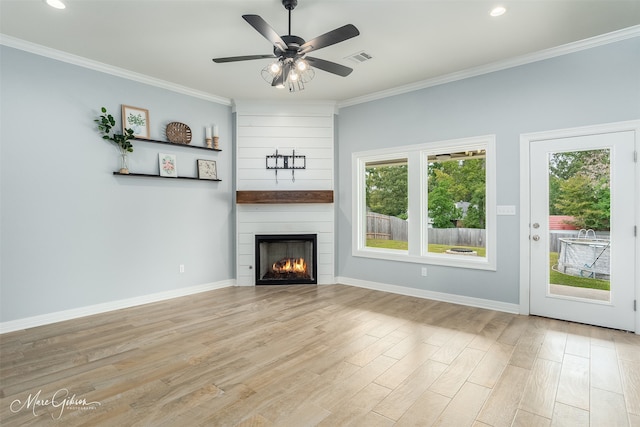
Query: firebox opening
{"points": [[286, 259]]}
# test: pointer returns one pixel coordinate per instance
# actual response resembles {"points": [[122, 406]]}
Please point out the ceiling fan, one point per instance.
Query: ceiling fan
{"points": [[292, 66]]}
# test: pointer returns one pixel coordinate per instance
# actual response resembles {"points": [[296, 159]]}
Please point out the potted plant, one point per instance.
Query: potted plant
{"points": [[106, 123]]}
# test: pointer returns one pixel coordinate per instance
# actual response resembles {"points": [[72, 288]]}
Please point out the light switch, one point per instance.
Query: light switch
{"points": [[505, 210]]}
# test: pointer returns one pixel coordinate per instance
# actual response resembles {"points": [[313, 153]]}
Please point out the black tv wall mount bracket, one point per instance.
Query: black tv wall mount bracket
{"points": [[285, 161]]}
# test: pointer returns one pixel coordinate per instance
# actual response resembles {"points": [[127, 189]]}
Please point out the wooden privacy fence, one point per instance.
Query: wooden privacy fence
{"points": [[457, 236], [386, 227]]}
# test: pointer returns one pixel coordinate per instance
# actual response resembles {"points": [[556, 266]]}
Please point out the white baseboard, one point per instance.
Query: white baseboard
{"points": [[437, 296], [59, 316], [46, 319]]}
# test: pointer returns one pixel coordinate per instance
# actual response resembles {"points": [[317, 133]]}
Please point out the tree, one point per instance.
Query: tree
{"points": [[579, 186], [387, 190], [442, 208], [592, 163], [471, 178], [457, 181], [588, 204], [554, 193], [475, 218]]}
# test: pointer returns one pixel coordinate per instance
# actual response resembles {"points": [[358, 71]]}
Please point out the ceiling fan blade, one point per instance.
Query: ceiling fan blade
{"points": [[332, 37], [329, 66], [241, 58], [267, 32], [278, 79]]}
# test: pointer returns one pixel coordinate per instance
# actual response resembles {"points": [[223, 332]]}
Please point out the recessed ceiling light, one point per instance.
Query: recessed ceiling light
{"points": [[56, 3], [498, 11]]}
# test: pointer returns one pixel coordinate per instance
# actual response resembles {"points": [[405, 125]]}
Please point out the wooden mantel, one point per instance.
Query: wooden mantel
{"points": [[274, 197]]}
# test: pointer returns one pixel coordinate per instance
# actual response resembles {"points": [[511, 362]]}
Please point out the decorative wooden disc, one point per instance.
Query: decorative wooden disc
{"points": [[178, 133]]}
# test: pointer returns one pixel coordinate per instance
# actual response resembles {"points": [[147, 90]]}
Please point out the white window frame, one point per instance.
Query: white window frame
{"points": [[361, 199], [417, 161]]}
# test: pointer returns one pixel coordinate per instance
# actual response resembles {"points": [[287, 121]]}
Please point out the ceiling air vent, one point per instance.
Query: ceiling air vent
{"points": [[359, 57]]}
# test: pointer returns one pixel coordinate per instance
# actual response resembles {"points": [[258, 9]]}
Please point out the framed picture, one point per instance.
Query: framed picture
{"points": [[168, 165], [207, 169], [136, 119]]}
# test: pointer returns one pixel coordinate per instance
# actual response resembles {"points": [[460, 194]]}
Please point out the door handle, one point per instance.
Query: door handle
{"points": [[536, 225], [535, 237]]}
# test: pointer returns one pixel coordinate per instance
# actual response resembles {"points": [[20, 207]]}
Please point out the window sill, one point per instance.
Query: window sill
{"points": [[476, 263]]}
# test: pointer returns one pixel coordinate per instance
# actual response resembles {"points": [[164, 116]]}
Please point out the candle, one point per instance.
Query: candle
{"points": [[207, 132], [215, 130]]}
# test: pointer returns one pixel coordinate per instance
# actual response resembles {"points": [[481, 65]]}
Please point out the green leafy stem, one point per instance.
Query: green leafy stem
{"points": [[106, 123]]}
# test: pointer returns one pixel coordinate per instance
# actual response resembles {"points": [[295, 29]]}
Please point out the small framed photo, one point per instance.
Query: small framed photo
{"points": [[168, 165], [137, 119], [207, 169]]}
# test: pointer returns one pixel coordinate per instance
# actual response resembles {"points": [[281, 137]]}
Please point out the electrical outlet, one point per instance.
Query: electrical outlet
{"points": [[424, 271], [181, 268]]}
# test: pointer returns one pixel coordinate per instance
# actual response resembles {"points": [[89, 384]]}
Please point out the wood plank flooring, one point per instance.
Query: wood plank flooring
{"points": [[317, 355]]}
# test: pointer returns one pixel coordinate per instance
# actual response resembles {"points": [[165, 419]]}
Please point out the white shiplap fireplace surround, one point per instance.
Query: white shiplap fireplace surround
{"points": [[261, 128]]}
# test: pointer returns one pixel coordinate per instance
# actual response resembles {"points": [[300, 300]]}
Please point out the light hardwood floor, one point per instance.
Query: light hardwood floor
{"points": [[318, 355]]}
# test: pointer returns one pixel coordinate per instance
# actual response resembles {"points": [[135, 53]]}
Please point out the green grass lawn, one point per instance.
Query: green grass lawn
{"points": [[557, 278], [388, 244], [400, 245]]}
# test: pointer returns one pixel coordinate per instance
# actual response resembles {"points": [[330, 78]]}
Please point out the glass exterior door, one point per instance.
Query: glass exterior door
{"points": [[582, 229]]}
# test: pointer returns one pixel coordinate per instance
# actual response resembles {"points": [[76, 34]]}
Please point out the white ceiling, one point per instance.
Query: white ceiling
{"points": [[410, 41]]}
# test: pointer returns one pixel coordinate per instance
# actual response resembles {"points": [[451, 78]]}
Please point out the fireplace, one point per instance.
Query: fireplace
{"points": [[286, 259]]}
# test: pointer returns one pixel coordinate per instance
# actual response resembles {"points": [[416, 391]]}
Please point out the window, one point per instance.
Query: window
{"points": [[386, 193], [430, 203]]}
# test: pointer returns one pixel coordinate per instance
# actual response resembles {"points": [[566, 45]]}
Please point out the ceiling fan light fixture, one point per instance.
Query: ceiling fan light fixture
{"points": [[297, 85], [306, 75], [287, 73], [301, 65], [272, 72], [291, 66], [275, 67]]}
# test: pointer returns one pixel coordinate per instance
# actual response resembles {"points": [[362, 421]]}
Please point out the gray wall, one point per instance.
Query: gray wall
{"points": [[598, 85], [74, 235]]}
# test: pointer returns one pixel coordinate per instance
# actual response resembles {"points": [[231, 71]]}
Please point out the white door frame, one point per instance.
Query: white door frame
{"points": [[525, 208]]}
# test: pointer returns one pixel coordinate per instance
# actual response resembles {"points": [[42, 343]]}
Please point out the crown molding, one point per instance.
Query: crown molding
{"points": [[612, 37], [615, 36], [108, 69]]}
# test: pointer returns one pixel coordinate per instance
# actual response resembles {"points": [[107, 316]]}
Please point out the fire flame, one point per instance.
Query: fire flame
{"points": [[290, 265]]}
